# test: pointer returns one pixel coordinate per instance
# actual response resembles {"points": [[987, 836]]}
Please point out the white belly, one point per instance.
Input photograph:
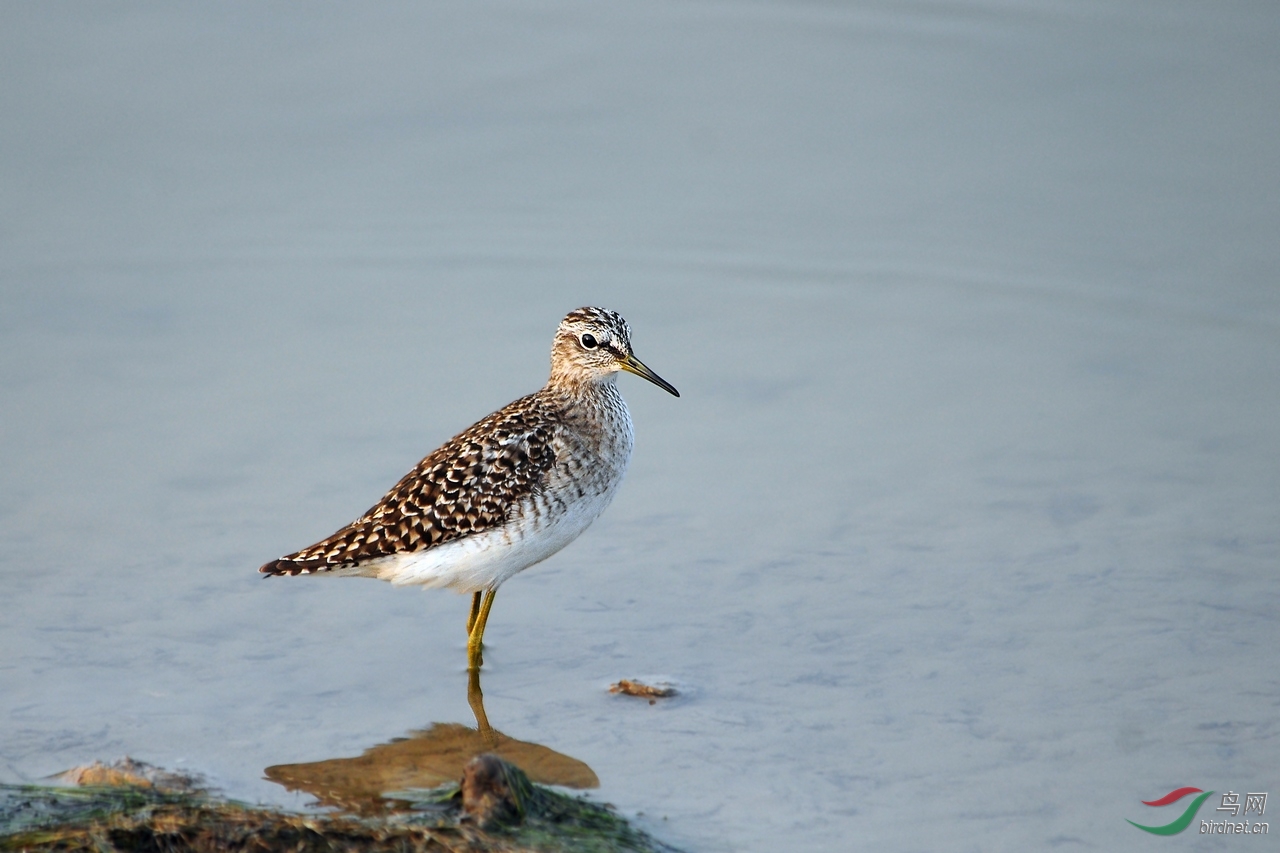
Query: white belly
{"points": [[590, 470], [485, 560]]}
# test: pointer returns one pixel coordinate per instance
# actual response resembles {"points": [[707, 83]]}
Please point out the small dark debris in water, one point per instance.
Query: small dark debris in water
{"points": [[645, 691]]}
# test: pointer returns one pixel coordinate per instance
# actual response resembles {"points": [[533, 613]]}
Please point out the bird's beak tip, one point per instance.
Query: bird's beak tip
{"points": [[636, 366]]}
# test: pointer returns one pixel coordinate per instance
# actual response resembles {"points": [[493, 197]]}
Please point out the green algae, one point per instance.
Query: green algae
{"points": [[132, 818]]}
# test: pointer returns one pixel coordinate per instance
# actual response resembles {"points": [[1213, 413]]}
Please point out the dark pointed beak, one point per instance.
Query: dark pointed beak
{"points": [[631, 364]]}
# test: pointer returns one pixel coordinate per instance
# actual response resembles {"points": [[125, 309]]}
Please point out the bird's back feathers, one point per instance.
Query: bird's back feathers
{"points": [[470, 484]]}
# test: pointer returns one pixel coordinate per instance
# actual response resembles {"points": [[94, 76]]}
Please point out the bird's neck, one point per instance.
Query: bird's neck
{"points": [[596, 399]]}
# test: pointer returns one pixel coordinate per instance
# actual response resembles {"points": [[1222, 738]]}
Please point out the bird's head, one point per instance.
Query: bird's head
{"points": [[592, 345]]}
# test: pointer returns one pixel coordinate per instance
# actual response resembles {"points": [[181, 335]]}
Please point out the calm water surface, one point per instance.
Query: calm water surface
{"points": [[962, 536]]}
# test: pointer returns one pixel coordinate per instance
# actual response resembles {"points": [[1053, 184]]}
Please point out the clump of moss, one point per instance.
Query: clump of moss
{"points": [[494, 808]]}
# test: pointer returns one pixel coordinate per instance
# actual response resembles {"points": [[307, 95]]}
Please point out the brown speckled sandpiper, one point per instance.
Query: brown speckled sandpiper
{"points": [[506, 493]]}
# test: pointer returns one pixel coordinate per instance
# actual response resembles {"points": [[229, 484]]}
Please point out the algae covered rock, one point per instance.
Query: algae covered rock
{"points": [[493, 808]]}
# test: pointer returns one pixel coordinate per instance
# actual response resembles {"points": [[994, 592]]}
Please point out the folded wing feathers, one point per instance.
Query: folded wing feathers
{"points": [[474, 482]]}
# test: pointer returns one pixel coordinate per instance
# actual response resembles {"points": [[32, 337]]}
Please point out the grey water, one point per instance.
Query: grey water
{"points": [[963, 534]]}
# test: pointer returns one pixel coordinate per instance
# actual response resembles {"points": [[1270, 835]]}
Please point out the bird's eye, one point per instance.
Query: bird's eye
{"points": [[588, 342]]}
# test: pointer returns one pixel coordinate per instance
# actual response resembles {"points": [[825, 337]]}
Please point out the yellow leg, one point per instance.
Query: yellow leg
{"points": [[476, 699], [475, 611], [475, 637]]}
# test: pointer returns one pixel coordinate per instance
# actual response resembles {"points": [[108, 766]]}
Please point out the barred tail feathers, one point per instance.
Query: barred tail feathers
{"points": [[287, 566]]}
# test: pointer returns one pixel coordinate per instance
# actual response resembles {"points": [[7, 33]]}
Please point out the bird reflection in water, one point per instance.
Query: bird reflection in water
{"points": [[426, 759]]}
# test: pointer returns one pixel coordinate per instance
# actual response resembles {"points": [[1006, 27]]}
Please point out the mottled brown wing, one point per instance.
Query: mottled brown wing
{"points": [[470, 484]]}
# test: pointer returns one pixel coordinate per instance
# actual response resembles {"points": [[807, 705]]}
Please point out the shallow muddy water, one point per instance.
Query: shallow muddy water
{"points": [[962, 535]]}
